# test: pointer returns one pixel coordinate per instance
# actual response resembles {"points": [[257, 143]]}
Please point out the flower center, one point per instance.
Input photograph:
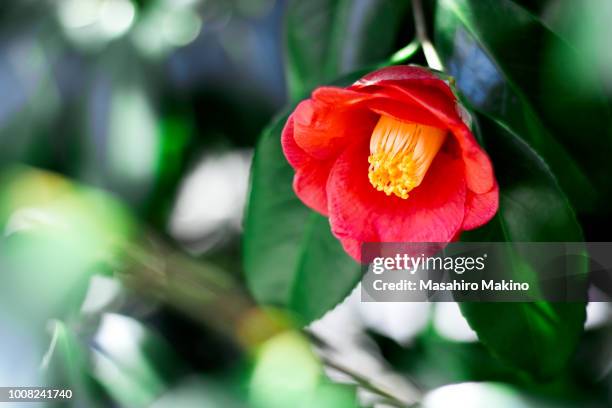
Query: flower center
{"points": [[400, 154]]}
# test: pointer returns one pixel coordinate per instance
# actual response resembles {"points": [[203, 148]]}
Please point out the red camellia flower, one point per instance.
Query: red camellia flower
{"points": [[389, 159]]}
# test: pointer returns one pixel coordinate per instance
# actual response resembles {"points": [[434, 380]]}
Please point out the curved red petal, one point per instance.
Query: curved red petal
{"points": [[480, 208], [431, 99], [294, 154], [434, 211], [322, 129], [404, 111], [340, 97], [310, 180], [397, 73], [478, 168], [310, 183], [404, 75]]}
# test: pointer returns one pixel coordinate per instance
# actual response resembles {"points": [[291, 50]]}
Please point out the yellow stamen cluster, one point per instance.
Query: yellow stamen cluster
{"points": [[400, 154]]}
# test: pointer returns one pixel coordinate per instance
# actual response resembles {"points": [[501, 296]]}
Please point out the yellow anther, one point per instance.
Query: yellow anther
{"points": [[400, 154]]}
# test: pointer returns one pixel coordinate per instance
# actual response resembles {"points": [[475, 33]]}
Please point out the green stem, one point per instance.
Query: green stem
{"points": [[403, 55], [431, 55]]}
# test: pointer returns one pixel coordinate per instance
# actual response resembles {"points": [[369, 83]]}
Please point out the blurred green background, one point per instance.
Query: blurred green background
{"points": [[127, 130]]}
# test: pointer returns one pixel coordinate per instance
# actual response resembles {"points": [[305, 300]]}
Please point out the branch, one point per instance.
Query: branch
{"points": [[362, 380]]}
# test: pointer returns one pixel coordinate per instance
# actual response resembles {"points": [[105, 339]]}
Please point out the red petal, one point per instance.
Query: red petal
{"points": [[429, 105], [403, 76], [412, 102], [294, 154], [434, 211], [309, 182], [478, 169], [397, 73], [432, 99], [377, 99], [404, 111], [340, 97], [480, 208], [322, 130]]}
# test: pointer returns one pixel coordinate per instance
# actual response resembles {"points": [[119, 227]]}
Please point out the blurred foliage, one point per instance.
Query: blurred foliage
{"points": [[110, 108], [47, 222], [328, 38]]}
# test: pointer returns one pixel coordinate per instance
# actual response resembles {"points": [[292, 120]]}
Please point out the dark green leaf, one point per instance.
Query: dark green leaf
{"points": [[275, 221], [499, 54], [326, 38], [291, 258], [433, 361], [325, 273], [538, 337]]}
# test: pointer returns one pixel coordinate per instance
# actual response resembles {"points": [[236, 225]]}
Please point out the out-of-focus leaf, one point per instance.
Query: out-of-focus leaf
{"points": [[536, 7], [200, 392], [587, 29], [291, 258], [131, 362], [132, 141], [433, 361], [28, 112], [287, 373], [326, 38], [67, 362], [175, 132], [128, 143], [497, 51], [532, 208], [55, 234]]}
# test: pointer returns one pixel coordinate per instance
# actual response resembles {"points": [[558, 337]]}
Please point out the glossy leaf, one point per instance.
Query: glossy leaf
{"points": [[291, 258], [498, 53], [325, 274], [538, 337], [326, 38]]}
